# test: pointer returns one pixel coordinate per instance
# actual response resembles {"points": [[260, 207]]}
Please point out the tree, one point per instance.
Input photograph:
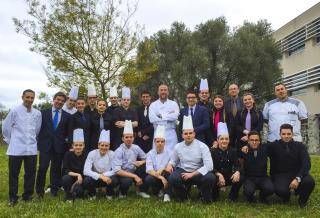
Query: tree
{"points": [[248, 56], [83, 40]]}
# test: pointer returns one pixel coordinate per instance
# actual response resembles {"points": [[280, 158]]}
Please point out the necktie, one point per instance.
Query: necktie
{"points": [[255, 153], [191, 111], [234, 108], [83, 117], [248, 121], [145, 112], [55, 119], [101, 123]]}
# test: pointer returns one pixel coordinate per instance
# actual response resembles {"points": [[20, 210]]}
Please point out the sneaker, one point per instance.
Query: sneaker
{"points": [[92, 198], [161, 193], [143, 194], [109, 197], [47, 190], [122, 196], [166, 198]]}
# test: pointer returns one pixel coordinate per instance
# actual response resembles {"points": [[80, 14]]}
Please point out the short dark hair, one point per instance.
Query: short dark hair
{"points": [[280, 83], [60, 94], [286, 126], [28, 90], [253, 132], [81, 98], [101, 99], [191, 92], [145, 92]]}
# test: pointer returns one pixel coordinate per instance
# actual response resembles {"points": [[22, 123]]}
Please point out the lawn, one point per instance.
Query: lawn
{"points": [[137, 207]]}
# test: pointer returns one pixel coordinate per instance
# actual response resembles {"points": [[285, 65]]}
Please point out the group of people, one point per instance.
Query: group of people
{"points": [[162, 149]]}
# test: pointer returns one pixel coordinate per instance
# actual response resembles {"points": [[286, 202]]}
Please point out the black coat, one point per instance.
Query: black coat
{"points": [[146, 129], [78, 122], [95, 127], [224, 117]]}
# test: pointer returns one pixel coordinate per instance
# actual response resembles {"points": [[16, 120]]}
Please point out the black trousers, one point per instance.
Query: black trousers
{"points": [[30, 164], [264, 184], [281, 184], [91, 184], [156, 184], [67, 183], [126, 182], [55, 171], [235, 187], [204, 183]]}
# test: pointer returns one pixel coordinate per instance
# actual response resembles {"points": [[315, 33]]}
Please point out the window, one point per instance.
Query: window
{"points": [[296, 49], [299, 92]]}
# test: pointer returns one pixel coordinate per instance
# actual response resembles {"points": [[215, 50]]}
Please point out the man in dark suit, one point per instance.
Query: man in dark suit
{"points": [[145, 128], [52, 144], [199, 114], [233, 105]]}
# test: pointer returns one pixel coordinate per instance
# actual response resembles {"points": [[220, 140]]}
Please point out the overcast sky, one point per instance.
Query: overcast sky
{"points": [[21, 69]]}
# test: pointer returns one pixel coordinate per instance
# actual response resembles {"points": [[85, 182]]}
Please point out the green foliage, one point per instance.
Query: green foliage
{"points": [[83, 40], [247, 55], [134, 206]]}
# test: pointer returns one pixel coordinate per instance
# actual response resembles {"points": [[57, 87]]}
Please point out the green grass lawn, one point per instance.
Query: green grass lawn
{"points": [[154, 207]]}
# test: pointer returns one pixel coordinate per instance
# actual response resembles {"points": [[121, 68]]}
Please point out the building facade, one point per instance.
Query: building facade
{"points": [[299, 41]]}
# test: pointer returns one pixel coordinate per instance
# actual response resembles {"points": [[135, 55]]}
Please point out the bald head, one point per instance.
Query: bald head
{"points": [[163, 92]]}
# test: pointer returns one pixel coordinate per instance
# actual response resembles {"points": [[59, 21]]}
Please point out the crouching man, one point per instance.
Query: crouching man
{"points": [[193, 165]]}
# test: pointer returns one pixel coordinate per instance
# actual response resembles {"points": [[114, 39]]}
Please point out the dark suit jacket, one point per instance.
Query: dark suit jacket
{"points": [[200, 121], [77, 122], [95, 127], [49, 138], [228, 104], [146, 129], [240, 122]]}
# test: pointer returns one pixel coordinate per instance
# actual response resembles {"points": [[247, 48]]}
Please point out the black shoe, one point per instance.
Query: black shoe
{"points": [[54, 194], [251, 200], [27, 198], [264, 201], [40, 196], [13, 202], [302, 204], [233, 198]]}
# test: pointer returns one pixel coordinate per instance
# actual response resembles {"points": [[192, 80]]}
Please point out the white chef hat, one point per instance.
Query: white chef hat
{"points": [[126, 92], [160, 132], [104, 136], [128, 127], [222, 129], [73, 94], [92, 90], [113, 92], [187, 123], [204, 84], [78, 135]]}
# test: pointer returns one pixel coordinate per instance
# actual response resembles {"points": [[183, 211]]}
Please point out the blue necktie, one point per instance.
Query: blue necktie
{"points": [[55, 119], [191, 111], [83, 117]]}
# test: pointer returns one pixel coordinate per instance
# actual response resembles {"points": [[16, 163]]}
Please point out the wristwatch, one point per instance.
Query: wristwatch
{"points": [[298, 179]]}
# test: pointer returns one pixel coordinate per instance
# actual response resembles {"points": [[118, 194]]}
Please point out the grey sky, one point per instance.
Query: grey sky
{"points": [[21, 69]]}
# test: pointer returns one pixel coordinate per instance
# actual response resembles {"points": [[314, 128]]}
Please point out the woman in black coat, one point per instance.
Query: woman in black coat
{"points": [[81, 120], [218, 114], [248, 119], [99, 120]]}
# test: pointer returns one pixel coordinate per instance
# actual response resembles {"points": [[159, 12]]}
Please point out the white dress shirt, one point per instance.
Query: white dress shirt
{"points": [[20, 130]]}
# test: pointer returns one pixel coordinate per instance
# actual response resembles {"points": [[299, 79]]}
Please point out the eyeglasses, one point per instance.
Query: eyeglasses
{"points": [[254, 140], [191, 97]]}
